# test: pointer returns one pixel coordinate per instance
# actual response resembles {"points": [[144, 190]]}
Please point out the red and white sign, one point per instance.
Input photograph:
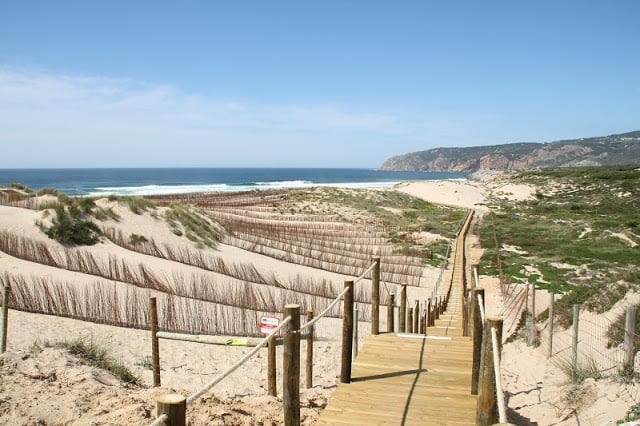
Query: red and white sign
{"points": [[268, 324]]}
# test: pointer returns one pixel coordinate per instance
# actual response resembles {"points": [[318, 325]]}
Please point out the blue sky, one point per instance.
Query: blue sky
{"points": [[309, 84]]}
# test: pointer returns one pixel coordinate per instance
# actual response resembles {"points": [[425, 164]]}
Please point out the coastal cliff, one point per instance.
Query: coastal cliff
{"points": [[613, 150]]}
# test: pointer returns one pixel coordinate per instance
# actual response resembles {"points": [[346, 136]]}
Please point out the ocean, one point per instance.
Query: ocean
{"points": [[150, 181]]}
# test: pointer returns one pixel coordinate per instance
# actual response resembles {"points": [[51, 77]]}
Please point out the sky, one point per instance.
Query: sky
{"points": [[306, 84]]}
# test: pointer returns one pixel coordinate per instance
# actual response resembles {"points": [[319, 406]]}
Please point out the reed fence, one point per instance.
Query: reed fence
{"points": [[171, 408], [244, 272]]}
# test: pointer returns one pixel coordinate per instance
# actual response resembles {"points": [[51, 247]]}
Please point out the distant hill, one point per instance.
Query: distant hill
{"points": [[612, 150]]}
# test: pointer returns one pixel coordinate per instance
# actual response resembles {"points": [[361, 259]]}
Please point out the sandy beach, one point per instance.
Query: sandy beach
{"points": [[42, 384]]}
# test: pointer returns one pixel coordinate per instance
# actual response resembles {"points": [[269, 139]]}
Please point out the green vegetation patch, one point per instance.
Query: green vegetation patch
{"points": [[192, 223], [71, 228], [97, 356], [400, 215], [581, 232], [139, 205]]}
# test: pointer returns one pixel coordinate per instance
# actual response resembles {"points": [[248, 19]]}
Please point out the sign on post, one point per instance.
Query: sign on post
{"points": [[268, 324]]}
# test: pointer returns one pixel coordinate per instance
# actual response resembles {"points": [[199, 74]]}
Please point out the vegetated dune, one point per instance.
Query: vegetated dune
{"points": [[100, 294], [271, 254]]}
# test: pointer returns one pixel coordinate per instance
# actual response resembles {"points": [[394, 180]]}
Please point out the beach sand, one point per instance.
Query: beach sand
{"points": [[41, 384]]}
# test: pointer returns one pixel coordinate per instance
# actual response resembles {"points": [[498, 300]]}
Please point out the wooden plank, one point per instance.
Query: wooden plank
{"points": [[412, 380]]}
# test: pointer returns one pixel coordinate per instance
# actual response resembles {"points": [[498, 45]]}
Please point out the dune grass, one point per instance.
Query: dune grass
{"points": [[97, 356], [581, 232]]}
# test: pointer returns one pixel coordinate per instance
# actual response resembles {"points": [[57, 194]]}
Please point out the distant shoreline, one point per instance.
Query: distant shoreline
{"points": [[161, 181]]}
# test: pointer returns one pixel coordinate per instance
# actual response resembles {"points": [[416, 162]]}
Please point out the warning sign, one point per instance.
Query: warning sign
{"points": [[268, 324]]}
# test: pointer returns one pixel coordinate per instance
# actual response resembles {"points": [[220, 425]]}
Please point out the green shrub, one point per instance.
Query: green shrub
{"points": [[20, 187], [71, 229]]}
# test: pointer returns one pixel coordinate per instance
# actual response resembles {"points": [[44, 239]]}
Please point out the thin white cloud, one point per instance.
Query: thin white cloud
{"points": [[58, 120]]}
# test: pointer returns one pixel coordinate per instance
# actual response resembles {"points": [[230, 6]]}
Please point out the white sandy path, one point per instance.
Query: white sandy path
{"points": [[465, 194]]}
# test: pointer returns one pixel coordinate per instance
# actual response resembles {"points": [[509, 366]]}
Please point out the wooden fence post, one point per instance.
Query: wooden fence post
{"points": [[356, 315], [410, 320], [629, 339], [533, 333], [375, 297], [155, 342], [291, 367], [310, 351], [551, 303], [487, 405], [174, 406], [390, 312], [402, 315], [475, 319], [429, 313], [272, 387], [476, 277], [416, 317], [5, 318], [465, 313], [347, 334], [576, 325]]}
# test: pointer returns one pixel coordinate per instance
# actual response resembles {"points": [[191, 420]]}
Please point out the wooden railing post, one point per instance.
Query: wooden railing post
{"points": [[310, 351], [576, 326], [347, 334], [551, 303], [291, 367], [416, 317], [476, 323], [5, 318], [375, 297], [466, 305], [272, 387], [487, 405], [155, 343], [629, 339], [533, 332], [475, 282], [356, 315], [390, 312], [429, 313], [409, 320], [402, 315], [174, 406]]}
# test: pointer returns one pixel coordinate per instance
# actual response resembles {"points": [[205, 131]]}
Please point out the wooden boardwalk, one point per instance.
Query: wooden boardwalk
{"points": [[412, 379]]}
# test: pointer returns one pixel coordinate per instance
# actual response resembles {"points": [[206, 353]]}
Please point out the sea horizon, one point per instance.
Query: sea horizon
{"points": [[139, 181]]}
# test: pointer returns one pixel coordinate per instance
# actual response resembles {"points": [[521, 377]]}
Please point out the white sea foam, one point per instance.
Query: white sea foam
{"points": [[185, 189]]}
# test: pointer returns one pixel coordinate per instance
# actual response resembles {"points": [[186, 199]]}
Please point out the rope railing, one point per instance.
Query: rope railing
{"points": [[502, 412], [235, 366], [323, 313], [161, 420], [292, 318], [445, 260], [486, 374], [366, 271]]}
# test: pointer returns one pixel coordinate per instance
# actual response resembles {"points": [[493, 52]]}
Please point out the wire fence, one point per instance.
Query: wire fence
{"points": [[605, 346]]}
